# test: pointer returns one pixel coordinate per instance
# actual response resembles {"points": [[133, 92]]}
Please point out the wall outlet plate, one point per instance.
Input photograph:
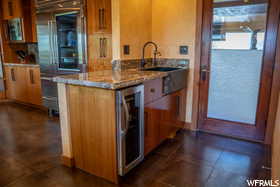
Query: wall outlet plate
{"points": [[184, 50], [126, 49]]}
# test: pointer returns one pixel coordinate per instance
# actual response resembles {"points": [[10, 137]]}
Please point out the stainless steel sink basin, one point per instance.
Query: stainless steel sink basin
{"points": [[164, 69]]}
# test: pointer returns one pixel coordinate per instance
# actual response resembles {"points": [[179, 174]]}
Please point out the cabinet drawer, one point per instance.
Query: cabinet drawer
{"points": [[153, 90]]}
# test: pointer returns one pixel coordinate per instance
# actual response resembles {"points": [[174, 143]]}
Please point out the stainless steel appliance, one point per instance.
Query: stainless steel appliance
{"points": [[15, 30], [61, 43], [130, 117], [175, 81]]}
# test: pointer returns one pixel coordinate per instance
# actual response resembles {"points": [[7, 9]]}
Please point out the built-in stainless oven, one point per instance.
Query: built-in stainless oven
{"points": [[130, 117]]}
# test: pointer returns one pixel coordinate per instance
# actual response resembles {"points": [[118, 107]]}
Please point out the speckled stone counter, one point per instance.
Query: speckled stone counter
{"points": [[109, 79]]}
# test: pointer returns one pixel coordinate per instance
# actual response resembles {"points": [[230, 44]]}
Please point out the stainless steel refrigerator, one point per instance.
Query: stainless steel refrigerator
{"points": [[61, 43]]}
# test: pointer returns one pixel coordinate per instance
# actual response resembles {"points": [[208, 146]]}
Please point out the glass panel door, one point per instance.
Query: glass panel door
{"points": [[238, 35], [68, 57]]}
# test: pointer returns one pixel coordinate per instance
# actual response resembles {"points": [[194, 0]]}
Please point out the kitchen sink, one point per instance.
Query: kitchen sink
{"points": [[164, 69]]}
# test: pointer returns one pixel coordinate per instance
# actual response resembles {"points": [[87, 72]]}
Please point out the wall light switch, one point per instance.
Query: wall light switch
{"points": [[184, 50], [126, 50]]}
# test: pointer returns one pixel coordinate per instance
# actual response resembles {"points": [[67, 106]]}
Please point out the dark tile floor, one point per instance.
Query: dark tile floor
{"points": [[30, 149]]}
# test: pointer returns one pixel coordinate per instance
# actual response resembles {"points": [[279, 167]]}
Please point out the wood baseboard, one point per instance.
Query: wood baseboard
{"points": [[66, 161]]}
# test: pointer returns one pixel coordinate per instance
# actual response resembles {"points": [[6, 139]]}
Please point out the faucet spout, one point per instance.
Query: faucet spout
{"points": [[143, 62]]}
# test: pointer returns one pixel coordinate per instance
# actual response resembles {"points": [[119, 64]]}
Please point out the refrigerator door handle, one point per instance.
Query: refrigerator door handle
{"points": [[50, 42], [55, 44]]}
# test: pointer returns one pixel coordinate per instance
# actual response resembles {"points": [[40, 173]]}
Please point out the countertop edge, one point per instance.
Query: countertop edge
{"points": [[111, 86], [23, 65]]}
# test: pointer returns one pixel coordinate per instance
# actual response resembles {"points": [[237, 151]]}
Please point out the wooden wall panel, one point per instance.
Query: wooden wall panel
{"points": [[93, 127]]}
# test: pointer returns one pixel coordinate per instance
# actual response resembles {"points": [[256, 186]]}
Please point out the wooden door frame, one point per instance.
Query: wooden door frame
{"points": [[202, 37]]}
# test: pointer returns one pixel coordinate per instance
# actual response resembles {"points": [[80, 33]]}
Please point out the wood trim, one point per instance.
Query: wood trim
{"points": [[268, 65], [195, 104], [66, 161], [274, 96], [67, 150], [276, 147]]}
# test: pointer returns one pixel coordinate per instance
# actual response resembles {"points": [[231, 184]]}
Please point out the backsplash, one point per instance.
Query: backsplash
{"points": [[135, 63]]}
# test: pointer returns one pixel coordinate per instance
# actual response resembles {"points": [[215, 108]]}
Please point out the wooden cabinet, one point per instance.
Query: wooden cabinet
{"points": [[152, 116], [179, 107], [99, 16], [34, 86], [12, 9], [25, 11], [10, 78], [164, 115], [99, 34], [23, 84]]}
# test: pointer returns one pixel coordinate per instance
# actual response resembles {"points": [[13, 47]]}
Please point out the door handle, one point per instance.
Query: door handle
{"points": [[126, 114]]}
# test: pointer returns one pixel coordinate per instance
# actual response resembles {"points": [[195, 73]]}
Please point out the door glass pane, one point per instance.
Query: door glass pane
{"points": [[133, 132], [238, 33], [67, 41]]}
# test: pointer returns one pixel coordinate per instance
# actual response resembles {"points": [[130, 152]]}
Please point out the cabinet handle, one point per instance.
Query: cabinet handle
{"points": [[153, 90], [31, 74], [100, 18], [6, 30], [13, 74], [178, 106], [103, 18], [104, 47], [100, 47], [10, 7], [145, 123]]}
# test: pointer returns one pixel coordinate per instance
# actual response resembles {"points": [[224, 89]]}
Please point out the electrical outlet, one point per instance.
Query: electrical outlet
{"points": [[126, 50], [184, 50]]}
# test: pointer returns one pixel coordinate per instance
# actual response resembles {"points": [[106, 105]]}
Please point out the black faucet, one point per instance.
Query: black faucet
{"points": [[156, 52]]}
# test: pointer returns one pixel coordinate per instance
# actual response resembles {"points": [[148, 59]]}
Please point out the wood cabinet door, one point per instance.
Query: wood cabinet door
{"points": [[10, 82], [99, 16], [11, 9], [100, 47], [152, 124], [179, 107], [21, 84], [34, 86]]}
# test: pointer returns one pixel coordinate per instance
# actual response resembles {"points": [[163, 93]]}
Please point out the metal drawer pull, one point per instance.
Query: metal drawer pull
{"points": [[178, 105], [13, 75], [31, 74]]}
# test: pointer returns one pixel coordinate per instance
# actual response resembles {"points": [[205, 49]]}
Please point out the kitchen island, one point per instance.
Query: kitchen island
{"points": [[102, 118]]}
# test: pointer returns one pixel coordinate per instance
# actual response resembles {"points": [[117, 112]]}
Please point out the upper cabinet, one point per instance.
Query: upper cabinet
{"points": [[19, 20], [12, 9], [99, 16], [99, 34]]}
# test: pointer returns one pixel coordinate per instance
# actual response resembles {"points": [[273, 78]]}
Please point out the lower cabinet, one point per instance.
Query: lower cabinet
{"points": [[163, 118], [23, 84]]}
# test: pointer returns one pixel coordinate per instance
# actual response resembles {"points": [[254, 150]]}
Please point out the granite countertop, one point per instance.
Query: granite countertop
{"points": [[109, 79], [21, 64]]}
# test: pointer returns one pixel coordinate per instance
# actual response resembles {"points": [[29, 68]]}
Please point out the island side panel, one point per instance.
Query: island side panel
{"points": [[67, 152], [93, 127]]}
